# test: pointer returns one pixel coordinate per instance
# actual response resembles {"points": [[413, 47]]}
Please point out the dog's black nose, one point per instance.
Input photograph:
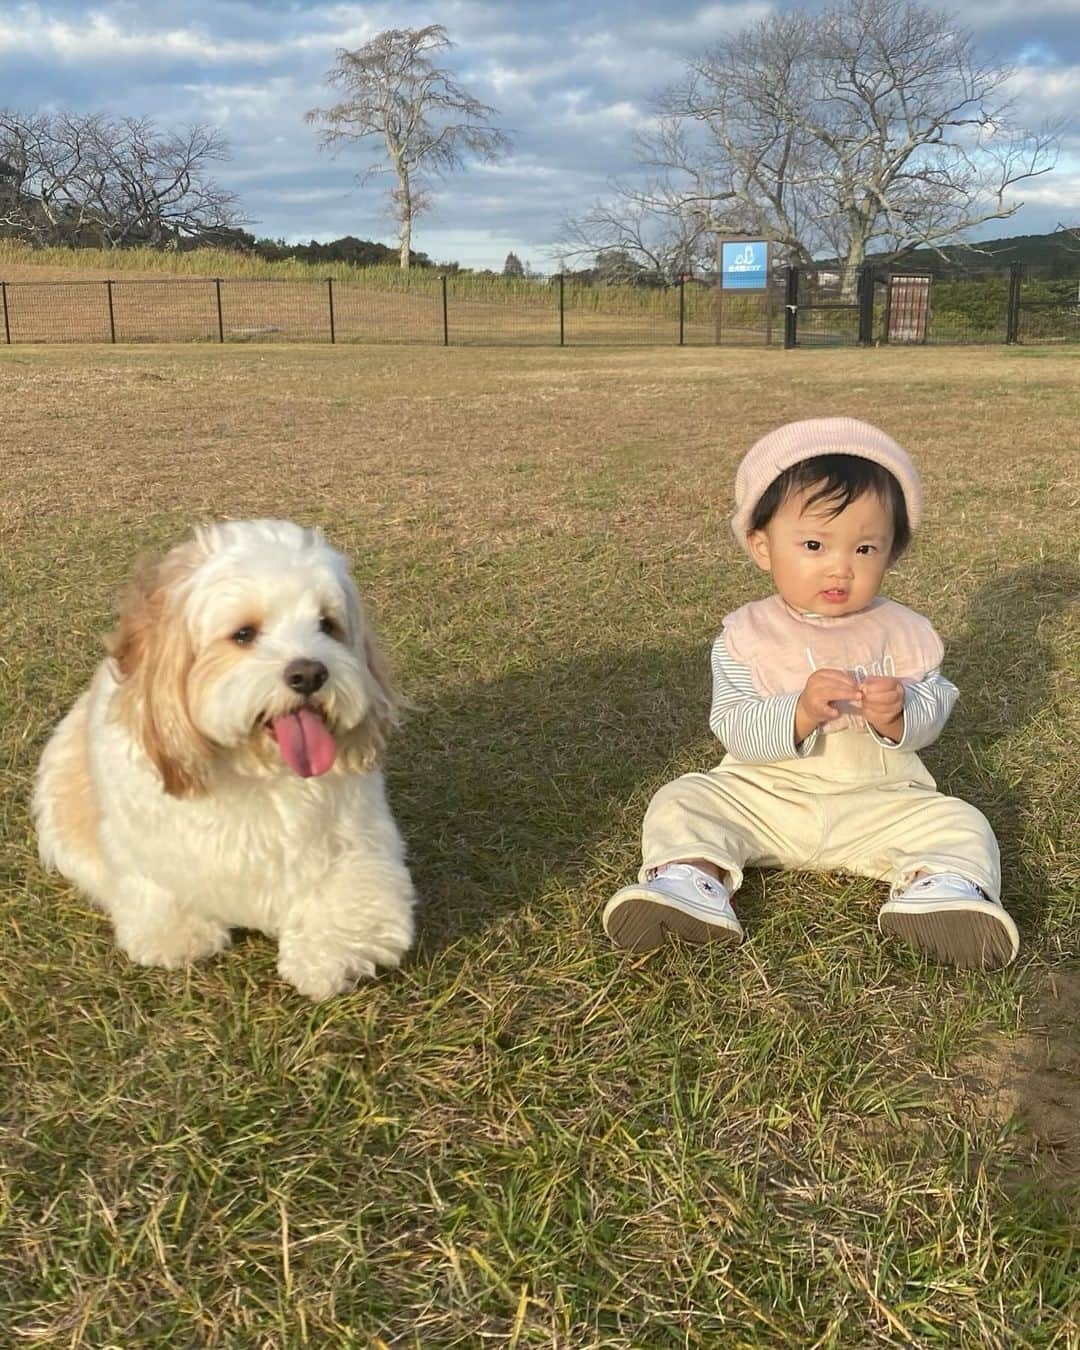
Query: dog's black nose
{"points": [[305, 676]]}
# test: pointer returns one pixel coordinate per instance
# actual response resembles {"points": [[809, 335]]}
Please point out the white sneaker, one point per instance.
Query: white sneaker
{"points": [[950, 918], [680, 902]]}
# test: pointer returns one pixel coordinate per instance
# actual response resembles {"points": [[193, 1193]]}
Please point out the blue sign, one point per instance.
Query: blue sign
{"points": [[745, 266]]}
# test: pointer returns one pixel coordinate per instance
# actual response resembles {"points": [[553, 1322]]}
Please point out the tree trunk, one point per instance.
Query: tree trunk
{"points": [[856, 256], [405, 214]]}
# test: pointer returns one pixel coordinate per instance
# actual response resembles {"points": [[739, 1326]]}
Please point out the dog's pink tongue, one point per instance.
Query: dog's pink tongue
{"points": [[305, 742]]}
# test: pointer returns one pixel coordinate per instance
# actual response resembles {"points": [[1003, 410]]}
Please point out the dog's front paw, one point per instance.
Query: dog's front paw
{"points": [[319, 978], [180, 941]]}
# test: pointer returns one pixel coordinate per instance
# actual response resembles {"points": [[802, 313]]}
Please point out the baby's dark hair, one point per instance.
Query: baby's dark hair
{"points": [[839, 480]]}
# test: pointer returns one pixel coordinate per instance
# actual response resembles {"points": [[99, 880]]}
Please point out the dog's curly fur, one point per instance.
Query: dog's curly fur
{"points": [[171, 795]]}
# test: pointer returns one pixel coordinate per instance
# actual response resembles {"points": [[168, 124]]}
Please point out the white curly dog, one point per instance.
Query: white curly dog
{"points": [[222, 769]]}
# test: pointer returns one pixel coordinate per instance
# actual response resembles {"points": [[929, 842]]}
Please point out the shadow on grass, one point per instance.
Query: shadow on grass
{"points": [[1004, 667], [503, 789]]}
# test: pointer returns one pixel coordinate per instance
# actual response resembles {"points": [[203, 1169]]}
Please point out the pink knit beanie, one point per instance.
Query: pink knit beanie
{"points": [[767, 459]]}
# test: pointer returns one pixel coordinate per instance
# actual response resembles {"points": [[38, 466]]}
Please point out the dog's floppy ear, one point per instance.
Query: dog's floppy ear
{"points": [[152, 652], [362, 747]]}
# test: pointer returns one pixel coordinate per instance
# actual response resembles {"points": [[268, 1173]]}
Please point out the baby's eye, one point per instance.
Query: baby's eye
{"points": [[866, 549], [812, 544]]}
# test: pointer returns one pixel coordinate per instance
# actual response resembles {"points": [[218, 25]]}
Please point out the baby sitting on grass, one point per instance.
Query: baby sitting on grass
{"points": [[822, 695]]}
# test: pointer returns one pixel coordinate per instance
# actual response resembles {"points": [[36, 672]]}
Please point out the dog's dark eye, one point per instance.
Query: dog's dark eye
{"points": [[329, 627], [244, 637]]}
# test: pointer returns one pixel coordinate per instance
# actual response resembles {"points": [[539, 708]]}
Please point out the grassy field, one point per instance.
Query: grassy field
{"points": [[525, 1138]]}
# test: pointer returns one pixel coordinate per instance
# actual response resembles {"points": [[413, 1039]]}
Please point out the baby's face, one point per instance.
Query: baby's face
{"points": [[825, 564]]}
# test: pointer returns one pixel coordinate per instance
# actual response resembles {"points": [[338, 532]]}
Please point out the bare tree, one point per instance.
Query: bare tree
{"points": [[115, 182], [148, 186], [427, 122], [660, 228], [43, 154], [871, 123]]}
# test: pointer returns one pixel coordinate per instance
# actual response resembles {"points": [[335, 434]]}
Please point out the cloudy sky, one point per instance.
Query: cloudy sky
{"points": [[571, 81]]}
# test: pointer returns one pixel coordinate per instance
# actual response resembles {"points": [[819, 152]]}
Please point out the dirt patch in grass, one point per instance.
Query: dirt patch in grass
{"points": [[1033, 1079]]}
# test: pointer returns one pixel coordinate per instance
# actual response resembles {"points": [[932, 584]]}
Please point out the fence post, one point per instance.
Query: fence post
{"points": [[866, 305], [220, 325], [445, 317], [768, 309], [112, 317], [330, 300], [682, 309], [562, 310], [7, 325], [791, 309], [1012, 315]]}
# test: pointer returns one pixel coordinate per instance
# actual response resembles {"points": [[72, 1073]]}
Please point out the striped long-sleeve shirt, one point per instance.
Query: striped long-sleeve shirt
{"points": [[759, 729]]}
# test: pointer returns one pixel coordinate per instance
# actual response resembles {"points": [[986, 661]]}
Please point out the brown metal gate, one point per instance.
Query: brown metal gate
{"points": [[907, 307]]}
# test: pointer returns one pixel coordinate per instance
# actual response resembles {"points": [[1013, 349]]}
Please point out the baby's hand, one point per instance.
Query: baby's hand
{"points": [[882, 700], [823, 690]]}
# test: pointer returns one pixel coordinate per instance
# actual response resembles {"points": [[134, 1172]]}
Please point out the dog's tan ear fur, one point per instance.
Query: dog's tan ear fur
{"points": [[153, 655], [361, 748]]}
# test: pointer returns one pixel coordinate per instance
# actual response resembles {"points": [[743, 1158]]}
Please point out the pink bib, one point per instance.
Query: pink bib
{"points": [[783, 648]]}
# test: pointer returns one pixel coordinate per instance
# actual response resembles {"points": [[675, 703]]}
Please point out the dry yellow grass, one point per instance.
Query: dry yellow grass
{"points": [[268, 429]]}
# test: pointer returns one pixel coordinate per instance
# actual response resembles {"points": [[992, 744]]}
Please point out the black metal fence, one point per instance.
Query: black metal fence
{"points": [[800, 307], [870, 305]]}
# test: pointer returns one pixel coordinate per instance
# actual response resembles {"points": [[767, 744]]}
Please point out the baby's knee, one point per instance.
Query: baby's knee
{"points": [[964, 818], [678, 797]]}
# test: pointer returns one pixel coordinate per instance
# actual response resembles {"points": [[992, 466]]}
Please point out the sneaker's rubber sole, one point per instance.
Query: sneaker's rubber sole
{"points": [[642, 925], [970, 938]]}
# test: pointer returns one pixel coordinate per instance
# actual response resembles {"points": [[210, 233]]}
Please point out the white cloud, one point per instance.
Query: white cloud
{"points": [[1062, 191], [31, 29], [304, 195], [99, 38], [511, 79], [1043, 85], [579, 109], [226, 104], [330, 41], [990, 13], [707, 24], [517, 168]]}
